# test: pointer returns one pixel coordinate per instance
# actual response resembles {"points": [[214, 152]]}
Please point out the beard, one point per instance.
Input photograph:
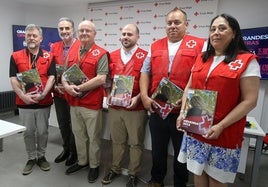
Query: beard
{"points": [[127, 44], [65, 37], [31, 45]]}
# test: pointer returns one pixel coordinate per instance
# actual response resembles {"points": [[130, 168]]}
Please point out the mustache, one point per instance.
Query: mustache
{"points": [[65, 36], [123, 40]]}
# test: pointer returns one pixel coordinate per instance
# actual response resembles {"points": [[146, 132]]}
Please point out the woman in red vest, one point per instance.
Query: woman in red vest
{"points": [[229, 68]]}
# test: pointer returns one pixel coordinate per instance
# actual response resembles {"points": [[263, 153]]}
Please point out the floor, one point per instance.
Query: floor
{"points": [[13, 159]]}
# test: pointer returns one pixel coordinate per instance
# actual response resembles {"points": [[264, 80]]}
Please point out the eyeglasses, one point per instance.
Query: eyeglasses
{"points": [[85, 31]]}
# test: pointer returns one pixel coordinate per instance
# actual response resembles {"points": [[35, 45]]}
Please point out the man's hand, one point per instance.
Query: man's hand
{"points": [[134, 102], [148, 103], [177, 105], [29, 99], [73, 90], [59, 88]]}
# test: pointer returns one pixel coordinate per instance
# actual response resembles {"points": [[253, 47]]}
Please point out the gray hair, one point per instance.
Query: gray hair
{"points": [[67, 19], [33, 26]]}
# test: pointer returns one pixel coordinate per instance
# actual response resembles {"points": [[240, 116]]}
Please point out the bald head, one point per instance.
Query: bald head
{"points": [[130, 36], [133, 27], [88, 24], [86, 33]]}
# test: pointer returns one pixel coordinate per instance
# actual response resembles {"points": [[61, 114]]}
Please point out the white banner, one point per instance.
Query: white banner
{"points": [[149, 16]]}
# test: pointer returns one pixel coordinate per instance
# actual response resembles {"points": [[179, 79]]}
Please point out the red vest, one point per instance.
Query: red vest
{"points": [[89, 65], [225, 79], [132, 68], [57, 53], [182, 64], [43, 63]]}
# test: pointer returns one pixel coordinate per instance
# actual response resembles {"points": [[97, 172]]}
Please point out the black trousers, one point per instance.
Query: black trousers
{"points": [[161, 132], [64, 121]]}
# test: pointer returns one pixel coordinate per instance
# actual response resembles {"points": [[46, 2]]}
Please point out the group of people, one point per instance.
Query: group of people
{"points": [[223, 63]]}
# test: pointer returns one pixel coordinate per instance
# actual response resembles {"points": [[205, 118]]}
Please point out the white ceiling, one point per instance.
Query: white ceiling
{"points": [[61, 2]]}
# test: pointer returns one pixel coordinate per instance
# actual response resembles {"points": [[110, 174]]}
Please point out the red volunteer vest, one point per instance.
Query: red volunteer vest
{"points": [[182, 64], [132, 68], [57, 53], [88, 64], [225, 79], [43, 63]]}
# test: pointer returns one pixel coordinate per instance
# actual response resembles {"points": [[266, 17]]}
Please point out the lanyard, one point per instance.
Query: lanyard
{"points": [[32, 61]]}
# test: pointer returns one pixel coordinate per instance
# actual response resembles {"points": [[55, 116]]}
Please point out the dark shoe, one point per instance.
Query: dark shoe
{"points": [[72, 158], [132, 181], [152, 183], [28, 167], [93, 174], [61, 157], [43, 164], [109, 177], [74, 168]]}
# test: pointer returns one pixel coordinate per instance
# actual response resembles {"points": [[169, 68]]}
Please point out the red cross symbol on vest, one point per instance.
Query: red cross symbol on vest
{"points": [[140, 55], [234, 65], [191, 43], [95, 52]]}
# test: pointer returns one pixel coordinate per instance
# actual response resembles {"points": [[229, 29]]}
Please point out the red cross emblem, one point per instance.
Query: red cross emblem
{"points": [[95, 52], [191, 43], [165, 110], [46, 55], [234, 65], [140, 55]]}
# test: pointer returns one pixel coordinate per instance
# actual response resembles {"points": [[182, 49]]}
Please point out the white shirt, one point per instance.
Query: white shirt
{"points": [[127, 55], [253, 68]]}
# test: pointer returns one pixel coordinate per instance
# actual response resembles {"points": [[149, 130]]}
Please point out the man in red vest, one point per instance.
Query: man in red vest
{"points": [[172, 57], [86, 111], [127, 123], [34, 108], [60, 52]]}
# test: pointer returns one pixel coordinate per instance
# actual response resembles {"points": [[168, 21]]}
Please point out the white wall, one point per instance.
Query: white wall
{"points": [[11, 14], [249, 14]]}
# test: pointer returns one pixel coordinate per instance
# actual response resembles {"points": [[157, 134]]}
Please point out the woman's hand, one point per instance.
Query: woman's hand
{"points": [[214, 132], [179, 122]]}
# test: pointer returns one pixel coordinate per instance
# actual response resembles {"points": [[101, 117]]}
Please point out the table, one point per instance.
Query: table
{"points": [[7, 129], [258, 134]]}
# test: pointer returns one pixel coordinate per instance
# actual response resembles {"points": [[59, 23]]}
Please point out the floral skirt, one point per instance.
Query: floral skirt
{"points": [[219, 163]]}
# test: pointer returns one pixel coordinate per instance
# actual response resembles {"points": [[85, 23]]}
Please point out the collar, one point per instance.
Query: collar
{"points": [[40, 52], [69, 46], [130, 52]]}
